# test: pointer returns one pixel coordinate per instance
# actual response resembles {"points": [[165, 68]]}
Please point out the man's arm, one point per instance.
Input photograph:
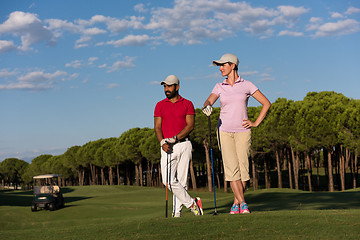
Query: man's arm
{"points": [[157, 127], [190, 120], [159, 133]]}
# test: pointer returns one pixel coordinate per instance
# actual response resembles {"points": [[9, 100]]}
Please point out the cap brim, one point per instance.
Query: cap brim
{"points": [[217, 63], [169, 84]]}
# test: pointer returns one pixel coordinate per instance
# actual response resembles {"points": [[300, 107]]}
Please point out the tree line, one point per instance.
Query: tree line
{"points": [[310, 144]]}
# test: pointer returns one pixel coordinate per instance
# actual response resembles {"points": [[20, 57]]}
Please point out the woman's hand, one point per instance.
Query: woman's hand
{"points": [[248, 124]]}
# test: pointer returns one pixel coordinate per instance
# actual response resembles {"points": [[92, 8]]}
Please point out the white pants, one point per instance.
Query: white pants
{"points": [[178, 168]]}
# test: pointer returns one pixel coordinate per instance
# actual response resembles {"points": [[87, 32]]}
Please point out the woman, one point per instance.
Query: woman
{"points": [[234, 125]]}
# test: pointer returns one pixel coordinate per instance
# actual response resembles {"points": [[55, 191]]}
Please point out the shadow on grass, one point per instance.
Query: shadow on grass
{"points": [[274, 201], [24, 198]]}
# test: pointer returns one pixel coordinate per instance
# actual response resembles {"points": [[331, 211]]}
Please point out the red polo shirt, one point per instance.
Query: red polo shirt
{"points": [[173, 115]]}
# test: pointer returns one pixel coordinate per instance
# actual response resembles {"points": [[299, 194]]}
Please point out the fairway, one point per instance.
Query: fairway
{"points": [[123, 212]]}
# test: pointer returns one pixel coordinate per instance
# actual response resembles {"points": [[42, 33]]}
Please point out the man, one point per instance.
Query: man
{"points": [[173, 121]]}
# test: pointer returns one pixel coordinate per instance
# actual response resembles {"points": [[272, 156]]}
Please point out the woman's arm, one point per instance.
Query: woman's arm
{"points": [[265, 107], [211, 100]]}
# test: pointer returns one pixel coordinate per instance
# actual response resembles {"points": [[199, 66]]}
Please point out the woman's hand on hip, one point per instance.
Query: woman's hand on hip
{"points": [[248, 124]]}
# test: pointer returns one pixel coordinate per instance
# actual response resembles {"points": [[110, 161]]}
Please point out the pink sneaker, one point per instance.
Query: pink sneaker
{"points": [[244, 208], [235, 209]]}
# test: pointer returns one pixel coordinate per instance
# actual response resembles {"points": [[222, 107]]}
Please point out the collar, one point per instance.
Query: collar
{"points": [[180, 99], [240, 79]]}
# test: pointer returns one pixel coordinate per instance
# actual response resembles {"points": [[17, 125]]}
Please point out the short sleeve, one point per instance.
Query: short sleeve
{"points": [[191, 109], [252, 88], [157, 111], [216, 90]]}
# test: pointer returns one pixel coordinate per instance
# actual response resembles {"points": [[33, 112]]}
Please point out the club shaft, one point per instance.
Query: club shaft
{"points": [[212, 164], [167, 182]]}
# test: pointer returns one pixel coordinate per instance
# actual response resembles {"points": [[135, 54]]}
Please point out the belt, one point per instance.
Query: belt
{"points": [[183, 140]]}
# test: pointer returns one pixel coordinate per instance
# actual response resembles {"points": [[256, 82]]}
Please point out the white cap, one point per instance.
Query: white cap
{"points": [[228, 57], [170, 80]]}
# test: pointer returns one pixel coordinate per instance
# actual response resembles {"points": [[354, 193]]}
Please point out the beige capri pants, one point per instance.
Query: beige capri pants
{"points": [[235, 149]]}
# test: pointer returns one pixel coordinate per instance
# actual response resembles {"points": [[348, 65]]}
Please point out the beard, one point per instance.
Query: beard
{"points": [[171, 94]]}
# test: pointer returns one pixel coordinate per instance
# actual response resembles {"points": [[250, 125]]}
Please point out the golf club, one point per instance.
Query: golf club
{"points": [[212, 165], [167, 182]]}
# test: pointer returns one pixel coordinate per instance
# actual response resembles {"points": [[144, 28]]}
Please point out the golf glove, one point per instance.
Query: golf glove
{"points": [[167, 140], [170, 140], [207, 110]]}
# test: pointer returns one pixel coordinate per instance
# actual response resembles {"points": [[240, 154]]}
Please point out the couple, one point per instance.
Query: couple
{"points": [[174, 120]]}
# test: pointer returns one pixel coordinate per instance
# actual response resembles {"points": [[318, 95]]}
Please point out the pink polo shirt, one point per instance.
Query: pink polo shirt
{"points": [[173, 115], [233, 101]]}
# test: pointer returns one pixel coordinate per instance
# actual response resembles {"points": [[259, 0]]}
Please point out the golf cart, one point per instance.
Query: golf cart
{"points": [[47, 193]]}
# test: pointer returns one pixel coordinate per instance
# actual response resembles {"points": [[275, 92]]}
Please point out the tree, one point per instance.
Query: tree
{"points": [[349, 135], [317, 120], [260, 147], [277, 123], [150, 150], [86, 157], [128, 149], [69, 161], [111, 159], [36, 167], [12, 170]]}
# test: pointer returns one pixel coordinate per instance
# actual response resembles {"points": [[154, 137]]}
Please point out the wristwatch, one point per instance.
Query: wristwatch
{"points": [[175, 137]]}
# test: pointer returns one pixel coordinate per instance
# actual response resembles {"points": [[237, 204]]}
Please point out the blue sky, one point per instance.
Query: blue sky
{"points": [[76, 71]]}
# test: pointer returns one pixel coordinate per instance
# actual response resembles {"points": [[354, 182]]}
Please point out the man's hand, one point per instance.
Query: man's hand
{"points": [[166, 144], [207, 110]]}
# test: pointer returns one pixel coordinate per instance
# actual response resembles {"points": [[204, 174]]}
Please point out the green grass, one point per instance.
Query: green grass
{"points": [[122, 212]]}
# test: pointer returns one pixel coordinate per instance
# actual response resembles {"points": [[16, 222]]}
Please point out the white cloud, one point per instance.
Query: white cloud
{"points": [[93, 31], [40, 76], [114, 25], [185, 22], [289, 33], [248, 74], [79, 63], [154, 83], [266, 79], [292, 12], [79, 27], [81, 45], [314, 23], [261, 27], [6, 46], [336, 15], [73, 76], [28, 27], [315, 20], [74, 64], [126, 63], [341, 27], [4, 73], [113, 85], [82, 42], [60, 25], [130, 40], [140, 8], [204, 19], [37, 80], [352, 10], [91, 60], [191, 22], [289, 15]]}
